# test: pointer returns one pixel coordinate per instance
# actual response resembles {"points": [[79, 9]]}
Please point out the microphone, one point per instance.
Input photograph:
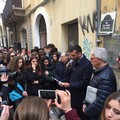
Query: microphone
{"points": [[69, 63], [59, 82]]}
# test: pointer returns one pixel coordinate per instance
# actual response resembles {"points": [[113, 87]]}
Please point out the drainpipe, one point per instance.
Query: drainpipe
{"points": [[98, 9]]}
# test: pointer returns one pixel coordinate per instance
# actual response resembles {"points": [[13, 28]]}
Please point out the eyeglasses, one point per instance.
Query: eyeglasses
{"points": [[34, 61], [92, 58], [12, 56]]}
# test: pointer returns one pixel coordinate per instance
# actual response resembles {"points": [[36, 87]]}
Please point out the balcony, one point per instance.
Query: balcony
{"points": [[13, 12]]}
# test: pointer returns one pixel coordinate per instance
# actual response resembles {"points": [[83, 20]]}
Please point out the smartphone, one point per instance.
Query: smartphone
{"points": [[47, 94]]}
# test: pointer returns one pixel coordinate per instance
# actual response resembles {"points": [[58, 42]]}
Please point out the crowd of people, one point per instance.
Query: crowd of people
{"points": [[87, 89]]}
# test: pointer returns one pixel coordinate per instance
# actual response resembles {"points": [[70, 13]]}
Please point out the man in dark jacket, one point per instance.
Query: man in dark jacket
{"points": [[103, 81], [80, 77], [61, 72]]}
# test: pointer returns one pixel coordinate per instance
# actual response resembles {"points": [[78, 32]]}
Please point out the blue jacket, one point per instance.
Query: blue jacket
{"points": [[105, 81]]}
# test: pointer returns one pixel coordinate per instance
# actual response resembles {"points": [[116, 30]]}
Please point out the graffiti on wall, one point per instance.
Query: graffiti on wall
{"points": [[87, 45], [87, 21]]}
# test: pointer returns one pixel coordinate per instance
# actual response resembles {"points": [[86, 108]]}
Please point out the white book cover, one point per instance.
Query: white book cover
{"points": [[91, 94]]}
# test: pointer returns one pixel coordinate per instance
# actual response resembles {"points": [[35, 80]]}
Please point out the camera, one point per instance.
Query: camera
{"points": [[3, 69], [47, 94], [11, 75]]}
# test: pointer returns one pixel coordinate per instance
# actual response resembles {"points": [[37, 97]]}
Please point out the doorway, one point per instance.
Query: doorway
{"points": [[42, 32]]}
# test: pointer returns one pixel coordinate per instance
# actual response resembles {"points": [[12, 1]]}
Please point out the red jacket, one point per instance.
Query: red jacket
{"points": [[72, 115]]}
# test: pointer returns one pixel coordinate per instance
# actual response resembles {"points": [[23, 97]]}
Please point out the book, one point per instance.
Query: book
{"points": [[91, 94]]}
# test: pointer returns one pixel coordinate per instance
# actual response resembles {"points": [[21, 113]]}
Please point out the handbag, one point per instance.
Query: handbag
{"points": [[14, 95]]}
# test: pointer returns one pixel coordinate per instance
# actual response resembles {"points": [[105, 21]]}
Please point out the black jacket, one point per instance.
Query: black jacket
{"points": [[104, 80], [61, 72], [79, 79], [31, 76]]}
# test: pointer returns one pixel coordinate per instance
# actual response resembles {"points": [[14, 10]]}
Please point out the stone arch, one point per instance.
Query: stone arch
{"points": [[42, 32], [38, 13]]}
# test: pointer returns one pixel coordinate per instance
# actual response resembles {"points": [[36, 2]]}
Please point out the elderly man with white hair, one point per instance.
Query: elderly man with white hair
{"points": [[102, 84]]}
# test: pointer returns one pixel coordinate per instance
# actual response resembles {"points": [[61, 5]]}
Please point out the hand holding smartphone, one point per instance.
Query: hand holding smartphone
{"points": [[47, 94]]}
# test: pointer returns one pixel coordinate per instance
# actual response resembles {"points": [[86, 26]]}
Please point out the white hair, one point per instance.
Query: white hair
{"points": [[100, 53]]}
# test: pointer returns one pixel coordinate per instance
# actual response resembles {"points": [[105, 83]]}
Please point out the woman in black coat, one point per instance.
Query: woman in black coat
{"points": [[34, 76], [47, 70]]}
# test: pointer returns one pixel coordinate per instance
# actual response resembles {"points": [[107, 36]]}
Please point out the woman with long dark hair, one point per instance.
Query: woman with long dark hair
{"points": [[55, 59], [34, 76], [47, 70]]}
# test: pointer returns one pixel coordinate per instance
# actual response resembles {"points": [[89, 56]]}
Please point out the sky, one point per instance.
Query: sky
{"points": [[2, 4]]}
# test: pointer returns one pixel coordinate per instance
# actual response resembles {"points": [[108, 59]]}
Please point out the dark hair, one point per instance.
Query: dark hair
{"points": [[43, 59], [11, 46], [76, 47], [36, 48], [32, 108], [43, 66], [113, 96], [50, 45], [33, 50], [33, 57], [13, 65], [53, 50], [38, 68], [57, 55], [24, 49]]}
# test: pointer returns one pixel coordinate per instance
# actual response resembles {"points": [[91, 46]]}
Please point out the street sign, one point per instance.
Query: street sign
{"points": [[107, 23]]}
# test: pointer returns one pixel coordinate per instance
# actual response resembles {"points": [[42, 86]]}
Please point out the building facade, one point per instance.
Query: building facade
{"points": [[61, 22]]}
